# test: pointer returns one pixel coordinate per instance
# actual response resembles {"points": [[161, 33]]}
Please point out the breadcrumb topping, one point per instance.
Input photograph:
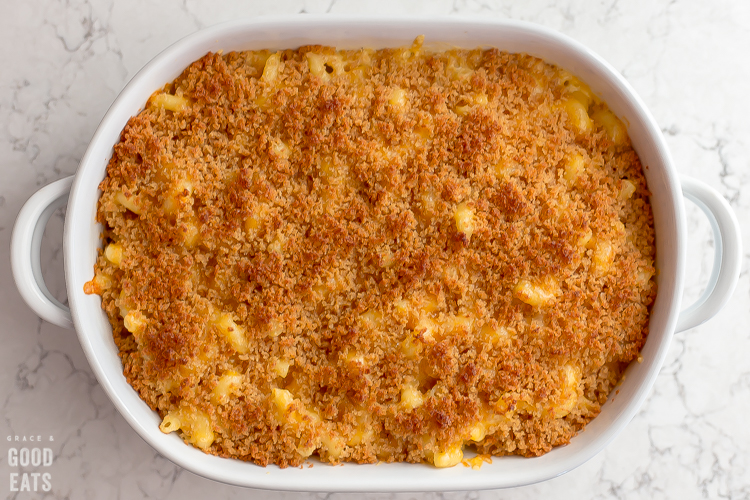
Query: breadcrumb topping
{"points": [[365, 255]]}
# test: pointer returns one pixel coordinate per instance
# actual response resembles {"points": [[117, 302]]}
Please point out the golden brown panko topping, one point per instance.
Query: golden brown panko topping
{"points": [[375, 255]]}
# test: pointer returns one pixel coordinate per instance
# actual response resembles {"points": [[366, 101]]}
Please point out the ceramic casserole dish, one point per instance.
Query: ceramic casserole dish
{"points": [[668, 192]]}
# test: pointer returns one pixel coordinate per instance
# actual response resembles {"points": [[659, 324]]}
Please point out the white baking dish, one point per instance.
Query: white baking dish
{"points": [[81, 239]]}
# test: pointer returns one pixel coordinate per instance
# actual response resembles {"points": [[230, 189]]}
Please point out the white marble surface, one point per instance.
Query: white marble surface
{"points": [[64, 62]]}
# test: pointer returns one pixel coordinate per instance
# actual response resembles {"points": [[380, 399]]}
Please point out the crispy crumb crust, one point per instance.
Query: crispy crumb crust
{"points": [[317, 199]]}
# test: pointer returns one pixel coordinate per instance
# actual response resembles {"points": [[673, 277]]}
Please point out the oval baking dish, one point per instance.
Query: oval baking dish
{"points": [[81, 240]]}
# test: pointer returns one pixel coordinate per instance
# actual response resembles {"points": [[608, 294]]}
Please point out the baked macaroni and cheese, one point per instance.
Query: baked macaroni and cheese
{"points": [[375, 255]]}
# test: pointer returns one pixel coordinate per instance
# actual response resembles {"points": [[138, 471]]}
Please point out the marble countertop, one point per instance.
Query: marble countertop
{"points": [[63, 63]]}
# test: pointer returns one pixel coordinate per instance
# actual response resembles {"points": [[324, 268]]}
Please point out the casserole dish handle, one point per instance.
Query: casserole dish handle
{"points": [[727, 253], [33, 217], [25, 252]]}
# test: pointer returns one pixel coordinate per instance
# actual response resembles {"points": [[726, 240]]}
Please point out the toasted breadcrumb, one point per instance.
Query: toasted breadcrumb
{"points": [[375, 255]]}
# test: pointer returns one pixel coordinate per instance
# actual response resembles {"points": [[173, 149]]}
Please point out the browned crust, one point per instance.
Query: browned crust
{"points": [[341, 231]]}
